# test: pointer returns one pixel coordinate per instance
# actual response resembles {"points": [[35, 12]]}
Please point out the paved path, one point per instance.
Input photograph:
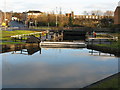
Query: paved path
{"points": [[13, 25], [16, 24]]}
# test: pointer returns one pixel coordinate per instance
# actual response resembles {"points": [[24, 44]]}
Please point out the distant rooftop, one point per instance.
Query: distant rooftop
{"points": [[118, 7], [33, 11]]}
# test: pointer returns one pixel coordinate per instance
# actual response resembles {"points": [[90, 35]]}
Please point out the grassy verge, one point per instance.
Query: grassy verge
{"points": [[7, 43], [104, 36], [114, 44], [5, 36], [110, 82]]}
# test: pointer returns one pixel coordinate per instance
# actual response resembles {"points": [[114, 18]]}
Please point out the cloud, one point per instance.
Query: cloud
{"points": [[77, 6], [101, 6]]}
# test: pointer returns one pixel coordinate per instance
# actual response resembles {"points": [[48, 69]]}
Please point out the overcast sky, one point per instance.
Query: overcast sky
{"points": [[78, 6]]}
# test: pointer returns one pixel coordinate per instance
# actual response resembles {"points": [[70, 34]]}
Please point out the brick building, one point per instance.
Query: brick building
{"points": [[33, 14], [117, 15]]}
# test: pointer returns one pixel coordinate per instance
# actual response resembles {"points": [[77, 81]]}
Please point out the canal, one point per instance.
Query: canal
{"points": [[43, 67], [56, 68]]}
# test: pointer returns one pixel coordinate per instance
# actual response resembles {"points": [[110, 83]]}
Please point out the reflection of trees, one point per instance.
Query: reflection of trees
{"points": [[29, 50], [32, 50], [99, 53]]}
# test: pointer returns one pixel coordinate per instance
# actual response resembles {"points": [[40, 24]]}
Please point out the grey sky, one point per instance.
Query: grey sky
{"points": [[78, 6]]}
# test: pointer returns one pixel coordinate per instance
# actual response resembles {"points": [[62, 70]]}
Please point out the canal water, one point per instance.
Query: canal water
{"points": [[56, 68]]}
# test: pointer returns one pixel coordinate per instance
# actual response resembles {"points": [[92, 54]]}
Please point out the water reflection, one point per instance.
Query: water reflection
{"points": [[33, 49], [28, 51], [99, 53], [55, 68]]}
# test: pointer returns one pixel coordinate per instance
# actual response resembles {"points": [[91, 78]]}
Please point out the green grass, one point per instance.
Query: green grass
{"points": [[6, 35], [6, 43], [114, 44], [103, 36], [109, 83]]}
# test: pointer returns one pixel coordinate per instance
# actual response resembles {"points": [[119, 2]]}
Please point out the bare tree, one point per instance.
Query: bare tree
{"points": [[96, 12], [109, 13], [85, 13]]}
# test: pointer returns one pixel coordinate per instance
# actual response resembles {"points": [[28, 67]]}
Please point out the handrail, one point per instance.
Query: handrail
{"points": [[26, 34]]}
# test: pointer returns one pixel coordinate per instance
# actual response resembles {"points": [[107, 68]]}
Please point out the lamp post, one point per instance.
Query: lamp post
{"points": [[48, 25], [56, 17], [35, 23]]}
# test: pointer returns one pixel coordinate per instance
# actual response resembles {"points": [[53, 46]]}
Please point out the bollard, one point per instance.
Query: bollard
{"points": [[15, 39], [46, 35], [24, 37], [21, 39], [99, 41], [99, 53], [92, 41], [88, 41], [40, 36]]}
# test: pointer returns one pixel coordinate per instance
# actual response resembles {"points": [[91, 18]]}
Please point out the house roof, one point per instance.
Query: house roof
{"points": [[118, 7], [34, 11]]}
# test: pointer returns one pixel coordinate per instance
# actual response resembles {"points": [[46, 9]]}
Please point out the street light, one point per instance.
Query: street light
{"points": [[56, 17], [35, 23]]}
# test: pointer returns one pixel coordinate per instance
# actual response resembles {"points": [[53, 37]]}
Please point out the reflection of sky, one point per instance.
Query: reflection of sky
{"points": [[54, 68]]}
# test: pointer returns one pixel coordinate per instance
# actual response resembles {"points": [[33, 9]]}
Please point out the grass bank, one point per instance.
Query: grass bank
{"points": [[6, 43], [109, 82], [115, 45], [113, 48], [5, 36]]}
